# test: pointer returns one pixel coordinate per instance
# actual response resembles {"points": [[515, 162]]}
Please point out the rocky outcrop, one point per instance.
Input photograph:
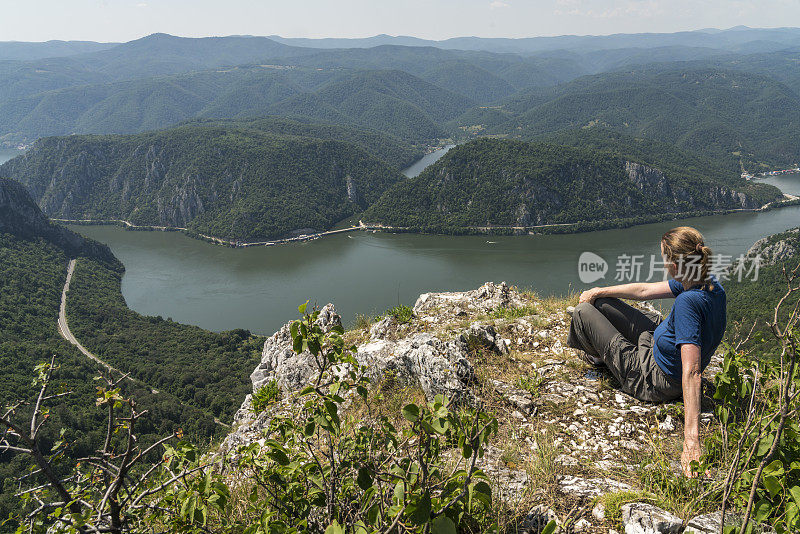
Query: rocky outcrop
{"points": [[643, 518], [653, 182], [648, 179], [506, 349], [776, 248]]}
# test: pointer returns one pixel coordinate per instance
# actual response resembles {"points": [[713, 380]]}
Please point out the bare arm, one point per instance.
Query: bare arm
{"points": [[635, 291], [690, 359]]}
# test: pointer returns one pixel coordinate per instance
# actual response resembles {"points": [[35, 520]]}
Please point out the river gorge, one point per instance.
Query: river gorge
{"points": [[259, 288]]}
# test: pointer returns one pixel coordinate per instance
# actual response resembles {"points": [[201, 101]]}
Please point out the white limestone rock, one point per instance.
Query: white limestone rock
{"points": [[644, 518], [589, 488]]}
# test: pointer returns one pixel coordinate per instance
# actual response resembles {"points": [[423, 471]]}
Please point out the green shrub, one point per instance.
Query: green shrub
{"points": [[341, 473], [265, 395], [401, 313], [513, 313]]}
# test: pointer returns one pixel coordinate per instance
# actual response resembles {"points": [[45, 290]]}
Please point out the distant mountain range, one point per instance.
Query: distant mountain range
{"points": [[739, 39], [408, 87]]}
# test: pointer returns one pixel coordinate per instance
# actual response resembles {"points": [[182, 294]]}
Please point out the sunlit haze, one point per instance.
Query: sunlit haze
{"points": [[123, 20]]}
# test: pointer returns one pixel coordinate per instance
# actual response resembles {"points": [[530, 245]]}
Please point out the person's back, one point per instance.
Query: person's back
{"points": [[698, 317]]}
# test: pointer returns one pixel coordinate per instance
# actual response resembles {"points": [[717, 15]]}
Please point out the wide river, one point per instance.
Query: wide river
{"points": [[259, 288]]}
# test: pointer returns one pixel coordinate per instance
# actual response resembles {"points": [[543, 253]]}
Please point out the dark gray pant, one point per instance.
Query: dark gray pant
{"points": [[623, 337]]}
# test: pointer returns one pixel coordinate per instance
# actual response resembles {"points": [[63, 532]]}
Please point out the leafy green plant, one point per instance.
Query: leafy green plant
{"points": [[346, 474], [401, 313], [119, 488], [265, 395], [758, 446], [513, 313], [531, 383]]}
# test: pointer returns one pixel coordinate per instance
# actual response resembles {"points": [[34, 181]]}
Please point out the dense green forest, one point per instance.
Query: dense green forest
{"points": [[711, 111], [751, 302], [32, 273], [389, 148], [665, 156], [226, 182], [491, 182], [214, 368], [390, 101], [201, 368]]}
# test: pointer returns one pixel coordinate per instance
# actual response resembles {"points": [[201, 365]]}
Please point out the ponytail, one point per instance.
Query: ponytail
{"points": [[685, 246]]}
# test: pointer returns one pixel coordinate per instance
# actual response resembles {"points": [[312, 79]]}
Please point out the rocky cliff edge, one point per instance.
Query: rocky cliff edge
{"points": [[569, 440]]}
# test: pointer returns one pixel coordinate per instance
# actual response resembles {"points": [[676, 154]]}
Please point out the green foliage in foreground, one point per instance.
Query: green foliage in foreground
{"points": [[751, 403], [32, 273], [342, 473], [318, 468], [203, 369]]}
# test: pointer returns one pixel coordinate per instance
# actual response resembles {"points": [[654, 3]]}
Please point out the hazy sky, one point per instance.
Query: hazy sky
{"points": [[123, 20]]}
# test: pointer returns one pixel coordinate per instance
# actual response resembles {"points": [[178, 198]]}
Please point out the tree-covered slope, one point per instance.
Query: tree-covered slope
{"points": [[154, 55], [236, 184], [665, 156], [214, 368], [492, 182], [390, 100], [393, 102], [752, 297], [389, 148], [715, 112]]}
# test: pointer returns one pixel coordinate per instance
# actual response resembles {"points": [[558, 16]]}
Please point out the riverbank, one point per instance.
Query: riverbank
{"points": [[542, 229]]}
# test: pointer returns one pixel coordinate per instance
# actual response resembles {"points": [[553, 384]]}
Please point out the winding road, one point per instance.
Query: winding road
{"points": [[63, 329]]}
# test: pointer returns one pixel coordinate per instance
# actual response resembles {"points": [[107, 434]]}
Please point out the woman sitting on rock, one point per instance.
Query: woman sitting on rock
{"points": [[657, 360]]}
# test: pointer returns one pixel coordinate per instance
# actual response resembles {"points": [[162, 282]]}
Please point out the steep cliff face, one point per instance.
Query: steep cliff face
{"points": [[230, 183], [19, 215], [491, 182], [776, 249], [652, 181]]}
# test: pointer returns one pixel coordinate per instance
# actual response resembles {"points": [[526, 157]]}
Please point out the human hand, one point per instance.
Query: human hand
{"points": [[589, 295], [691, 452]]}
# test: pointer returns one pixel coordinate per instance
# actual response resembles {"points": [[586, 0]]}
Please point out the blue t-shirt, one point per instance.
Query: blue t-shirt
{"points": [[698, 317]]}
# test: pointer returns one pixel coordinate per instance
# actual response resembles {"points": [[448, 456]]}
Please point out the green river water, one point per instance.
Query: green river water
{"points": [[259, 288], [219, 288]]}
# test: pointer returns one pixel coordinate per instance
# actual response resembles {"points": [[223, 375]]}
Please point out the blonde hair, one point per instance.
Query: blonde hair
{"points": [[684, 246]]}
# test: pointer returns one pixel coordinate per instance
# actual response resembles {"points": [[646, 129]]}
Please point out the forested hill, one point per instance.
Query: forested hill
{"points": [[229, 183], [716, 112], [21, 217], [389, 148], [199, 375], [390, 101], [491, 182]]}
